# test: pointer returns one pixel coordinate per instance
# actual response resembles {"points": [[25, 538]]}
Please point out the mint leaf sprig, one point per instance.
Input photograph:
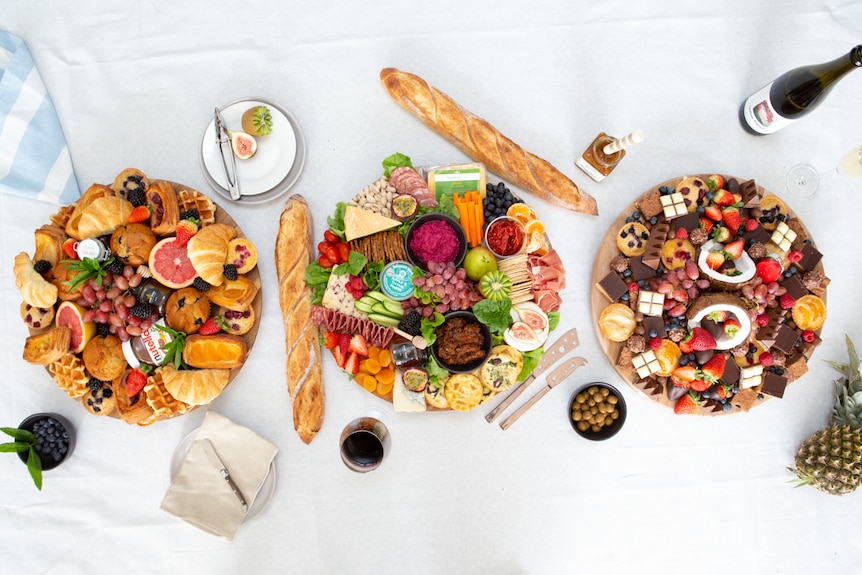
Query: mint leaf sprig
{"points": [[24, 441], [174, 348], [87, 269]]}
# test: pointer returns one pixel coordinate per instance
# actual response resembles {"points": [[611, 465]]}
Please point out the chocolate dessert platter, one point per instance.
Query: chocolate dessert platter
{"points": [[709, 294]]}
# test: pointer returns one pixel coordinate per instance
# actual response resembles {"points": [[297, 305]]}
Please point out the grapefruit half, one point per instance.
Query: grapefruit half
{"points": [[170, 264], [71, 315]]}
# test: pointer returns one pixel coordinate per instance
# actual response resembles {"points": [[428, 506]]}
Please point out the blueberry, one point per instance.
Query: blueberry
{"points": [[726, 407], [627, 273], [629, 220], [653, 220], [700, 209], [653, 333], [636, 215], [625, 297], [683, 361], [787, 273]]}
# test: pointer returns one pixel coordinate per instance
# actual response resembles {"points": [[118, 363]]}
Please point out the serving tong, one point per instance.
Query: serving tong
{"points": [[223, 140]]}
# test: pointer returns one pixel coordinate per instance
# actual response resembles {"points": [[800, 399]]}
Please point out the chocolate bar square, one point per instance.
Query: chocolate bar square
{"points": [[794, 286], [785, 339], [773, 384], [613, 287], [731, 372], [750, 197], [651, 323], [688, 222], [640, 271]]}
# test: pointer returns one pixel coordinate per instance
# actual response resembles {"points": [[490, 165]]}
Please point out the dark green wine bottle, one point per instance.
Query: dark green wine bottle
{"points": [[794, 94]]}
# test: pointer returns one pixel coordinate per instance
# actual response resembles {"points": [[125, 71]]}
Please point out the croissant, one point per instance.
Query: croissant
{"points": [[208, 251], [49, 244], [195, 386], [35, 290], [93, 193], [103, 216]]}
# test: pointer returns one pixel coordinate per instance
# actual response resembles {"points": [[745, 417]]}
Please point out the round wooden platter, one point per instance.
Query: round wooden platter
{"points": [[608, 250], [221, 217]]}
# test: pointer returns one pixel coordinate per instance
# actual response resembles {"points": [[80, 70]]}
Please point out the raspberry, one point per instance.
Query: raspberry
{"points": [[633, 287], [751, 225], [762, 320], [654, 343], [808, 336], [682, 234], [786, 301], [794, 256], [766, 359]]}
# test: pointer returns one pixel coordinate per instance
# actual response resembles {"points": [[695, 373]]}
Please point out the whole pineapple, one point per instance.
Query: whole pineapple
{"points": [[831, 459]]}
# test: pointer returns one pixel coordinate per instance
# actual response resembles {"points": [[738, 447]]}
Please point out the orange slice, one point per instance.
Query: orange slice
{"points": [[521, 212], [534, 226], [537, 243]]}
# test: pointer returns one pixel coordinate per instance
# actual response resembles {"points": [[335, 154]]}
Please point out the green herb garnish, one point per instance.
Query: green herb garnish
{"points": [[317, 278], [494, 314], [371, 275], [427, 326], [396, 160], [174, 348], [353, 266], [436, 374], [336, 221], [24, 441], [87, 268]]}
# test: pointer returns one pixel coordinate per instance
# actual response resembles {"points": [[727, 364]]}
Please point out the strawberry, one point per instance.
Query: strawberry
{"points": [[700, 385], [786, 301], [713, 369], [681, 234], [731, 327], [718, 316], [706, 224], [688, 403], [731, 218], [135, 382], [751, 225], [351, 365], [723, 198], [721, 234], [185, 230], [339, 357], [762, 320], [210, 327], [330, 339], [766, 359], [139, 214], [683, 376], [714, 260], [713, 213], [69, 248], [715, 182], [698, 339], [719, 391], [358, 345], [735, 248], [344, 343]]}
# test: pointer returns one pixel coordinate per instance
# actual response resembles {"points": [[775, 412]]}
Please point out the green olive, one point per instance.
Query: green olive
{"points": [[613, 399]]}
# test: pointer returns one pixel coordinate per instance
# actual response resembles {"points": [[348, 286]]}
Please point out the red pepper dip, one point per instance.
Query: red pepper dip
{"points": [[505, 237], [435, 241]]}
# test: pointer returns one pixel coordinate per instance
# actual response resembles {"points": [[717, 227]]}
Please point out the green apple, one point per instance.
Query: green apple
{"points": [[478, 262]]}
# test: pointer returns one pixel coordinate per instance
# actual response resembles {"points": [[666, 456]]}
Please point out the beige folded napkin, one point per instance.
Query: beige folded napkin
{"points": [[199, 495]]}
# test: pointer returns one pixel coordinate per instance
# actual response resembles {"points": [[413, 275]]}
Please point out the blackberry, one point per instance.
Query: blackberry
{"points": [[141, 310], [107, 392], [42, 266], [103, 329], [116, 266], [411, 323], [190, 213], [137, 197], [201, 284], [230, 272], [95, 384]]}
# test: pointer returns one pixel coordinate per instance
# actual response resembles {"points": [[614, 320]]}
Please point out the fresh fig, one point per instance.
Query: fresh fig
{"points": [[243, 145], [257, 121]]}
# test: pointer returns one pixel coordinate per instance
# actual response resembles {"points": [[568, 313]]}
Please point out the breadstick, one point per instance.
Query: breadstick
{"points": [[483, 143], [293, 253]]}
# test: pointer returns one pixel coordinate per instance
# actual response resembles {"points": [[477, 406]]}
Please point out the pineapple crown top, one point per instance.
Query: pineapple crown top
{"points": [[848, 390]]}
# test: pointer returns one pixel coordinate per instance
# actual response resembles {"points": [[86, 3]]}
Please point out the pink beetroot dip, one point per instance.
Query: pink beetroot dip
{"points": [[434, 241]]}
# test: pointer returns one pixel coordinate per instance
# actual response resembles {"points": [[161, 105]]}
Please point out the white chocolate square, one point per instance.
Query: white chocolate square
{"points": [[750, 376], [783, 236], [650, 303], [673, 205], [646, 363]]}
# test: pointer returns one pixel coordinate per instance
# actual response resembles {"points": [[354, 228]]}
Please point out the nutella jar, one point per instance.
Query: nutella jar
{"points": [[148, 347]]}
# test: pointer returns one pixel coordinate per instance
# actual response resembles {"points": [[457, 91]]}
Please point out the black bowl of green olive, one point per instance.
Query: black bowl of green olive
{"points": [[597, 411]]}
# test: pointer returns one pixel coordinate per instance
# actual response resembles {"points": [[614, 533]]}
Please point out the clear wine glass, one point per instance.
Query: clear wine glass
{"points": [[851, 163], [803, 179]]}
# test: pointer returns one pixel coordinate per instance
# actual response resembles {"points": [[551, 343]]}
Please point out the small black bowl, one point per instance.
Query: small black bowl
{"points": [[47, 459], [607, 431], [475, 364], [453, 223]]}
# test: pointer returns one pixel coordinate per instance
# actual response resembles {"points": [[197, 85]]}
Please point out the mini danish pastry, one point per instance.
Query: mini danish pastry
{"points": [[617, 322], [49, 244], [809, 312], [47, 347], [165, 212], [34, 289]]}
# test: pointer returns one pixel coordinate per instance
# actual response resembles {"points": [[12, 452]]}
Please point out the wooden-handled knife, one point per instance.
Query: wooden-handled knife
{"points": [[553, 379]]}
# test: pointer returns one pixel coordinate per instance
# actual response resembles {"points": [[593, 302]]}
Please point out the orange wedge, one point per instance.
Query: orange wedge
{"points": [[521, 212], [534, 226], [537, 244]]}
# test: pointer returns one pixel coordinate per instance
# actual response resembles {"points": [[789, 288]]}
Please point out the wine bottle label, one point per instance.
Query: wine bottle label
{"points": [[760, 114]]}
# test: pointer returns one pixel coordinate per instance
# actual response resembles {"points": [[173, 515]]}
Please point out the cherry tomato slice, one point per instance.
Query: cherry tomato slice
{"points": [[330, 237], [325, 262], [343, 251]]}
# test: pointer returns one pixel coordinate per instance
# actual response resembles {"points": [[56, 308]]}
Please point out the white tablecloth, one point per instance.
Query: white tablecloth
{"points": [[135, 83]]}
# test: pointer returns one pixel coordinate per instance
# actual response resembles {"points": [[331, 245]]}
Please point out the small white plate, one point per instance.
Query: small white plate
{"points": [[276, 164], [264, 496]]}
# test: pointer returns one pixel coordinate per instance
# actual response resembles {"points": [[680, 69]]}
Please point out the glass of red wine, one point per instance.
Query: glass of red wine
{"points": [[365, 441]]}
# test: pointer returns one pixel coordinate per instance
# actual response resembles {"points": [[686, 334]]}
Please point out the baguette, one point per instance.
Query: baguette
{"points": [[483, 143], [293, 252]]}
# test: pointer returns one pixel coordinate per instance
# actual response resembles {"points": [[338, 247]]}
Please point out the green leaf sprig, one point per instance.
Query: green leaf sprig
{"points": [[174, 348], [87, 269], [24, 441]]}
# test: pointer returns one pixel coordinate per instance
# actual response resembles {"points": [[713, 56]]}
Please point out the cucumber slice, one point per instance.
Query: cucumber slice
{"points": [[380, 308], [394, 308], [379, 296], [384, 320], [362, 306]]}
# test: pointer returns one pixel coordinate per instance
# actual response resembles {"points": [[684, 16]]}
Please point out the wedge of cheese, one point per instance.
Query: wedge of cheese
{"points": [[338, 298], [359, 223], [405, 400]]}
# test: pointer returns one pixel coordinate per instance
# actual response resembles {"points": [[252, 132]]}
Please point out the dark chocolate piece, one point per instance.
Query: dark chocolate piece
{"points": [[810, 257], [658, 235], [688, 222], [750, 197], [773, 384], [731, 372], [640, 271], [613, 287], [758, 234], [651, 323], [650, 386], [794, 286], [796, 368], [785, 339]]}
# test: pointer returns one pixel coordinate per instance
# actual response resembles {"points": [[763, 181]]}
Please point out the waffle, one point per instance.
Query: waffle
{"points": [[68, 372], [160, 400], [61, 218], [189, 199]]}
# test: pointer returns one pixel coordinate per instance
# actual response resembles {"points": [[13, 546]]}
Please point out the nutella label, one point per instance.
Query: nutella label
{"points": [[153, 340], [760, 114]]}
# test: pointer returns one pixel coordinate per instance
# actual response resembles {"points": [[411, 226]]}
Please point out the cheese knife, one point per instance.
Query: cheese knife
{"points": [[553, 353], [222, 469], [554, 378]]}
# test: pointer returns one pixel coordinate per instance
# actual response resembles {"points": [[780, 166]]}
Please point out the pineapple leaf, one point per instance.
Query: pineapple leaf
{"points": [[801, 479]]}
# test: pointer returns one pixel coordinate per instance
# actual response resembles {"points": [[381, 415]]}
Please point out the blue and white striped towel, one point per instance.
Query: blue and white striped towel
{"points": [[34, 158]]}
